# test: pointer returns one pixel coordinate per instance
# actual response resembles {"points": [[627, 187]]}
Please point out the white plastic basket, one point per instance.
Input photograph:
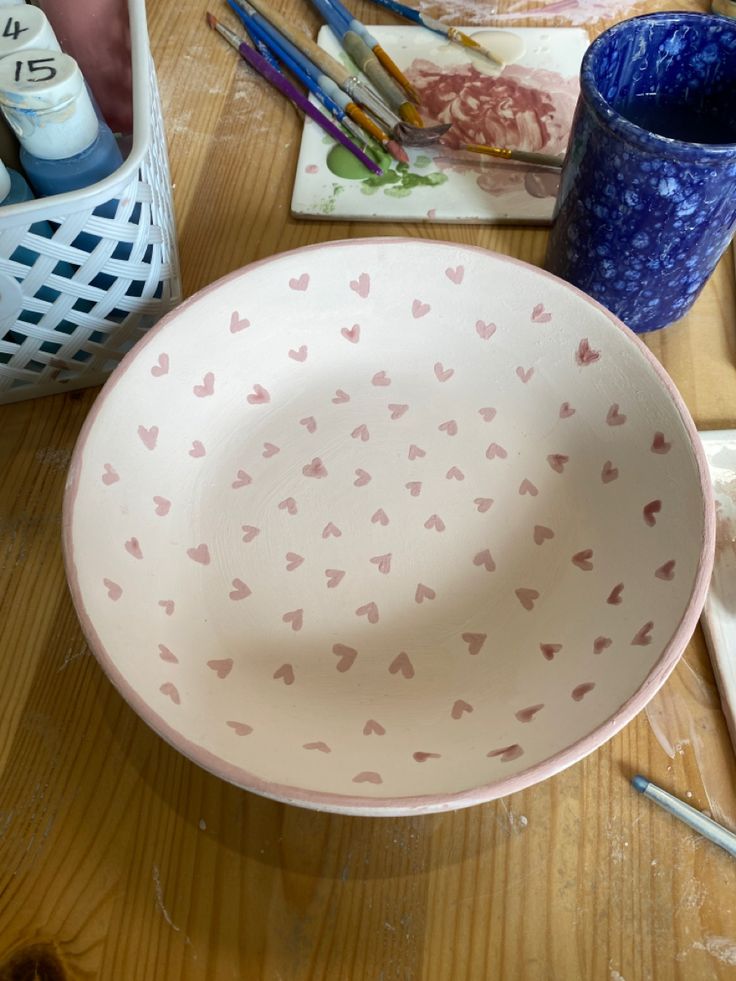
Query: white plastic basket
{"points": [[83, 332]]}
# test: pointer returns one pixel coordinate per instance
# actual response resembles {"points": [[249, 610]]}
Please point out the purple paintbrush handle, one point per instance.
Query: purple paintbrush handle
{"points": [[282, 83]]}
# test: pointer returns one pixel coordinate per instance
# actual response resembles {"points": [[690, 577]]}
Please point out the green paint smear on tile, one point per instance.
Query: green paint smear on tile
{"points": [[400, 182], [327, 206], [342, 163]]}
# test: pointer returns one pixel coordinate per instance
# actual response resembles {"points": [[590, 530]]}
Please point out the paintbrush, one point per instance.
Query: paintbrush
{"points": [[391, 67], [367, 62], [354, 86], [291, 55], [279, 81], [521, 156], [700, 822], [451, 33]]}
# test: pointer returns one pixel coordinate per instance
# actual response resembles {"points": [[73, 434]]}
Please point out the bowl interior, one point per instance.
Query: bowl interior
{"points": [[388, 525]]}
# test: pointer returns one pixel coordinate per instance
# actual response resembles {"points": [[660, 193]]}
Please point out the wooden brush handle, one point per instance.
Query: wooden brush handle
{"points": [[326, 63]]}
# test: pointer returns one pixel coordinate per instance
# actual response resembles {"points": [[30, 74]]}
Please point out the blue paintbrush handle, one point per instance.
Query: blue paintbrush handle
{"points": [[260, 45], [402, 10], [276, 40], [352, 23], [335, 20]]}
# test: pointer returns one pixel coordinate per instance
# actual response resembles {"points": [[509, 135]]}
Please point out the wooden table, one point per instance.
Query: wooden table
{"points": [[119, 859]]}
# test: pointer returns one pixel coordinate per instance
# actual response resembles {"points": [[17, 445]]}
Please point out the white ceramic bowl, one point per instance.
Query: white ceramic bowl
{"points": [[388, 526]]}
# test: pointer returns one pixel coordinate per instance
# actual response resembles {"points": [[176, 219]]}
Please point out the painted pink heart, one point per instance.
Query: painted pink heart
{"points": [[542, 533], [240, 728], [455, 275], [259, 396], [609, 472], [114, 590], [161, 367], [299, 283], [614, 417], [643, 636], [270, 449], [449, 427], [397, 410], [614, 597], [331, 530], [346, 654], [649, 511], [423, 592], [442, 374], [483, 504], [540, 315], [484, 559], [166, 655], [527, 597], [293, 561], [475, 642], [580, 691], [321, 746], [549, 650], [382, 562], [221, 666], [133, 547], [527, 714], [369, 611], [666, 572], [334, 577], [401, 664], [110, 475], [527, 487], [583, 559], [566, 410], [285, 673], [314, 469], [197, 449], [660, 444], [483, 330], [300, 354], [419, 309], [148, 436], [361, 285], [415, 452], [367, 776], [199, 553], [585, 354], [414, 487], [362, 477], [206, 388], [295, 618], [422, 757], [434, 521], [309, 423], [171, 692], [507, 754], [237, 323], [250, 532], [460, 708], [240, 590], [373, 728], [380, 379], [351, 334], [163, 506], [557, 461], [601, 644], [361, 432], [168, 606], [524, 374], [488, 413], [242, 479], [340, 397], [379, 517], [496, 450]]}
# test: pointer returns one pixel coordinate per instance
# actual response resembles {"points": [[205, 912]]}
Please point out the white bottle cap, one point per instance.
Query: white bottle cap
{"points": [[4, 182], [25, 27], [12, 3], [45, 101]]}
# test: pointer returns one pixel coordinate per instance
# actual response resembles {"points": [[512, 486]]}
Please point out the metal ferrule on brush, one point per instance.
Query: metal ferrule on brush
{"points": [[362, 93]]}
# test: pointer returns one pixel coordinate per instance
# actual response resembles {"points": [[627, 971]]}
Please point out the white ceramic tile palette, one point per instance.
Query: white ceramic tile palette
{"points": [[528, 106], [388, 526]]}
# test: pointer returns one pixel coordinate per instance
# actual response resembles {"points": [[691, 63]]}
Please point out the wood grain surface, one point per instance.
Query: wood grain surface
{"points": [[119, 859]]}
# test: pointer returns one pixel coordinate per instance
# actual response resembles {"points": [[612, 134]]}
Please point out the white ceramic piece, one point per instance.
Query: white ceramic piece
{"points": [[388, 526]]}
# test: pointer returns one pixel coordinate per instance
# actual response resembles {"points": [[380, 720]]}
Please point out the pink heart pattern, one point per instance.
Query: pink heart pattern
{"points": [[660, 444], [382, 562], [163, 506], [460, 708], [380, 379], [396, 410], [402, 665], [259, 396], [347, 656], [315, 469], [114, 589], [166, 655], [110, 475], [585, 354], [423, 593], [485, 331], [240, 728], [484, 559], [419, 309], [373, 728], [221, 666], [369, 611], [161, 367], [334, 577], [199, 553], [414, 487], [240, 590], [455, 274], [295, 618], [171, 691], [361, 285], [148, 437], [443, 374], [300, 283], [133, 547], [197, 449], [299, 354], [475, 642], [351, 334], [362, 477], [206, 388], [540, 315], [237, 324], [168, 606]]}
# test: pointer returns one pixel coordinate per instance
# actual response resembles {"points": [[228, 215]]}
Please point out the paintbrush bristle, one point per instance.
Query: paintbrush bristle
{"points": [[212, 21]]}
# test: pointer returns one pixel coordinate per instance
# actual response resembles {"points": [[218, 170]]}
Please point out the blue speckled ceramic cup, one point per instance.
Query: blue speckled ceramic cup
{"points": [[647, 200]]}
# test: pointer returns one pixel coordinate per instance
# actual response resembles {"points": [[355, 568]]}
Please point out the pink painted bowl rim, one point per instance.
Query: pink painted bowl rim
{"points": [[426, 803]]}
